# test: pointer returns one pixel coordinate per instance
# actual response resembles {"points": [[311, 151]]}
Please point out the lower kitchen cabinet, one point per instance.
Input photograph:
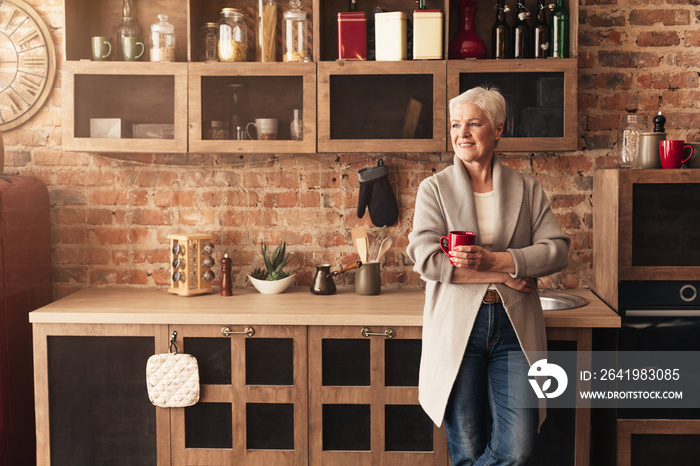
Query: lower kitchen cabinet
{"points": [[363, 398], [253, 403], [91, 398], [289, 379]]}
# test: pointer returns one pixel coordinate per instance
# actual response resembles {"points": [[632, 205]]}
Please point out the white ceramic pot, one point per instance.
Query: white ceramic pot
{"points": [[271, 286]]}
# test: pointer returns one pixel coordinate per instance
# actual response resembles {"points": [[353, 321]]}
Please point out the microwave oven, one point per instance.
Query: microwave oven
{"points": [[646, 228]]}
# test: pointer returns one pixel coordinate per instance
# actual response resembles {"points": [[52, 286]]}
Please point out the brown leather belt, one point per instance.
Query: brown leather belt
{"points": [[491, 297]]}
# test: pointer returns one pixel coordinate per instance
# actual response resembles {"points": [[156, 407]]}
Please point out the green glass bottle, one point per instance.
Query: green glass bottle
{"points": [[353, 5], [560, 31]]}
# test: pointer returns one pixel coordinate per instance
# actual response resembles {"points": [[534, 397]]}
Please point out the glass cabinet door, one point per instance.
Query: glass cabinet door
{"points": [[540, 99], [363, 385], [252, 407]]}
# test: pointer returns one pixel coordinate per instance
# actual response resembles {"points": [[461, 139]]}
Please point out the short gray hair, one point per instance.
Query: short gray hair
{"points": [[489, 99]]}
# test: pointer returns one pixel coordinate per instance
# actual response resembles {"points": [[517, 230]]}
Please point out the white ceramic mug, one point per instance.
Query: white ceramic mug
{"points": [[265, 128]]}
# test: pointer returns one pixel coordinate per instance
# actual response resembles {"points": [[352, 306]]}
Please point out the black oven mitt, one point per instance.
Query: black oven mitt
{"points": [[376, 194]]}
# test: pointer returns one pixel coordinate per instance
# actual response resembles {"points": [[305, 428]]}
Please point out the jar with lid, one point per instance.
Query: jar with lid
{"points": [[218, 129], [208, 38], [162, 40], [628, 139], [295, 33], [233, 35]]}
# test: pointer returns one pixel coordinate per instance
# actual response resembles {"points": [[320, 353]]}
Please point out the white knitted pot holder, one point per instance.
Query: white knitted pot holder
{"points": [[172, 379]]}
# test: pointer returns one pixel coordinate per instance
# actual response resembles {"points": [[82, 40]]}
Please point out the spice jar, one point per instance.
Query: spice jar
{"points": [[208, 37], [162, 40], [267, 31], [233, 35], [218, 130], [294, 30]]}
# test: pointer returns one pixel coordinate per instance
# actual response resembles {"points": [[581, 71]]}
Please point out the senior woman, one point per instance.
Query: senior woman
{"points": [[481, 301]]}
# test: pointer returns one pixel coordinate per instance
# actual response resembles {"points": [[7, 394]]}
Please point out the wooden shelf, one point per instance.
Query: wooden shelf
{"points": [[347, 106]]}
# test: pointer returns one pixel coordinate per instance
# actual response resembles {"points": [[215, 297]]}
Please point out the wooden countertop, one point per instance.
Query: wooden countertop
{"points": [[293, 307]]}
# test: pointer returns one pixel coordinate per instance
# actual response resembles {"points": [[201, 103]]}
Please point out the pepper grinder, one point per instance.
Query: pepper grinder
{"points": [[659, 122], [226, 276]]}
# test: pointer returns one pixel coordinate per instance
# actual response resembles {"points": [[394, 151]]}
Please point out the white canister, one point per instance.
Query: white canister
{"points": [[390, 36], [427, 35]]}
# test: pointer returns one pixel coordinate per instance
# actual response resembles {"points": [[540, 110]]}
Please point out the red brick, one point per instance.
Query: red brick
{"points": [[658, 39], [99, 217], [151, 217], [69, 216], [109, 235], [109, 197], [131, 277]]}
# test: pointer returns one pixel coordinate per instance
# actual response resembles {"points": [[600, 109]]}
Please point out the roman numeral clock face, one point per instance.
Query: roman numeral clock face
{"points": [[27, 63]]}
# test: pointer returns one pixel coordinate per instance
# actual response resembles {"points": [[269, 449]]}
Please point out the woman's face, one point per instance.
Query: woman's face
{"points": [[473, 136]]}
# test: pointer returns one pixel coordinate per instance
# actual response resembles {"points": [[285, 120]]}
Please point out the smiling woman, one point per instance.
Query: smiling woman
{"points": [[483, 317]]}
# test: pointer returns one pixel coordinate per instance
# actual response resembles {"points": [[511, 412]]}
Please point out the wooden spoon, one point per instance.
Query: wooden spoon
{"points": [[386, 244], [360, 241]]}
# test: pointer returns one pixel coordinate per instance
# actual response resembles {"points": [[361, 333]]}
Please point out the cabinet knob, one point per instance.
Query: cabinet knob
{"points": [[367, 332], [227, 332]]}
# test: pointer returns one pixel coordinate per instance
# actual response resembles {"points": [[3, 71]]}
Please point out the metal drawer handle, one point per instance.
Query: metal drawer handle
{"points": [[367, 332], [227, 332]]}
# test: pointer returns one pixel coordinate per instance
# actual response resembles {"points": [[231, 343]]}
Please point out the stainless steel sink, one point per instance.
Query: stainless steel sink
{"points": [[559, 301]]}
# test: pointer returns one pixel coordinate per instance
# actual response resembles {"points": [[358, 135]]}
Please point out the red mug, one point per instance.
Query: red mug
{"points": [[457, 238], [672, 153]]}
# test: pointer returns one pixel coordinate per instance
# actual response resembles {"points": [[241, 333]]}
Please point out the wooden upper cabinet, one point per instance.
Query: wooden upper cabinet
{"points": [[105, 104], [381, 106], [345, 106]]}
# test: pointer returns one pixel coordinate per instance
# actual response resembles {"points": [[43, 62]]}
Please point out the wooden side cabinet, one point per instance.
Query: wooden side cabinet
{"points": [[91, 400], [363, 398]]}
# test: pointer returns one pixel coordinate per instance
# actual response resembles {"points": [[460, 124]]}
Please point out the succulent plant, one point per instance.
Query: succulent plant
{"points": [[275, 261]]}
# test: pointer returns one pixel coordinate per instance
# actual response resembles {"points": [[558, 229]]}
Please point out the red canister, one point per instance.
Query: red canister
{"points": [[352, 36]]}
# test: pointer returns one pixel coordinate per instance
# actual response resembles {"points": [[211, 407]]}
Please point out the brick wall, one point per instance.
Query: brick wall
{"points": [[111, 214]]}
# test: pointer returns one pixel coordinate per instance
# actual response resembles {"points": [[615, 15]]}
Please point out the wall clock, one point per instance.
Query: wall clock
{"points": [[27, 63]]}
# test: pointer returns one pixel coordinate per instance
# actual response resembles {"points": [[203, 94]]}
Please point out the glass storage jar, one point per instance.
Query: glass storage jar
{"points": [[208, 37], [267, 31], [295, 33], [219, 130], [233, 35], [162, 40], [628, 139]]}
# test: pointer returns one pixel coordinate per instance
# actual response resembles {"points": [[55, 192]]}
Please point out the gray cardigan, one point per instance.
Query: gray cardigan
{"points": [[526, 227]]}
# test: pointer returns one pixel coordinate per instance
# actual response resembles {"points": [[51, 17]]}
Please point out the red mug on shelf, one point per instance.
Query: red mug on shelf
{"points": [[672, 153], [457, 238]]}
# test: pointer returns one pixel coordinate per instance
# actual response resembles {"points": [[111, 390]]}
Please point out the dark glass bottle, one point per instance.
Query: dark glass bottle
{"points": [[560, 30], [540, 33], [353, 5], [500, 34], [521, 32], [421, 4]]}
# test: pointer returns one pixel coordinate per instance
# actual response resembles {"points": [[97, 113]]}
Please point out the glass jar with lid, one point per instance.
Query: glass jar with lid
{"points": [[628, 139], [208, 39], [295, 33], [233, 35], [162, 40]]}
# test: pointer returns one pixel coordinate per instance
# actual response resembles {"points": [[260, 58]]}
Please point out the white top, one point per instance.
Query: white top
{"points": [[485, 204]]}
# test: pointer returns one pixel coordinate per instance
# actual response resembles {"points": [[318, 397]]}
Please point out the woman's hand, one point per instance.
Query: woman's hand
{"points": [[526, 285], [481, 260]]}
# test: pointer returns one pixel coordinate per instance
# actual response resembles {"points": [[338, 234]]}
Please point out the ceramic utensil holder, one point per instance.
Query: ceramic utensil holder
{"points": [[191, 263]]}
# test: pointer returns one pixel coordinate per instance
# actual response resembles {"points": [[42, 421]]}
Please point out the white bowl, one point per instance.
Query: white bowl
{"points": [[271, 286]]}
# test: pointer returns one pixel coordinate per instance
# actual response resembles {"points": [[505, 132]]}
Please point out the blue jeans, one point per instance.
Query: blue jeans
{"points": [[481, 390]]}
